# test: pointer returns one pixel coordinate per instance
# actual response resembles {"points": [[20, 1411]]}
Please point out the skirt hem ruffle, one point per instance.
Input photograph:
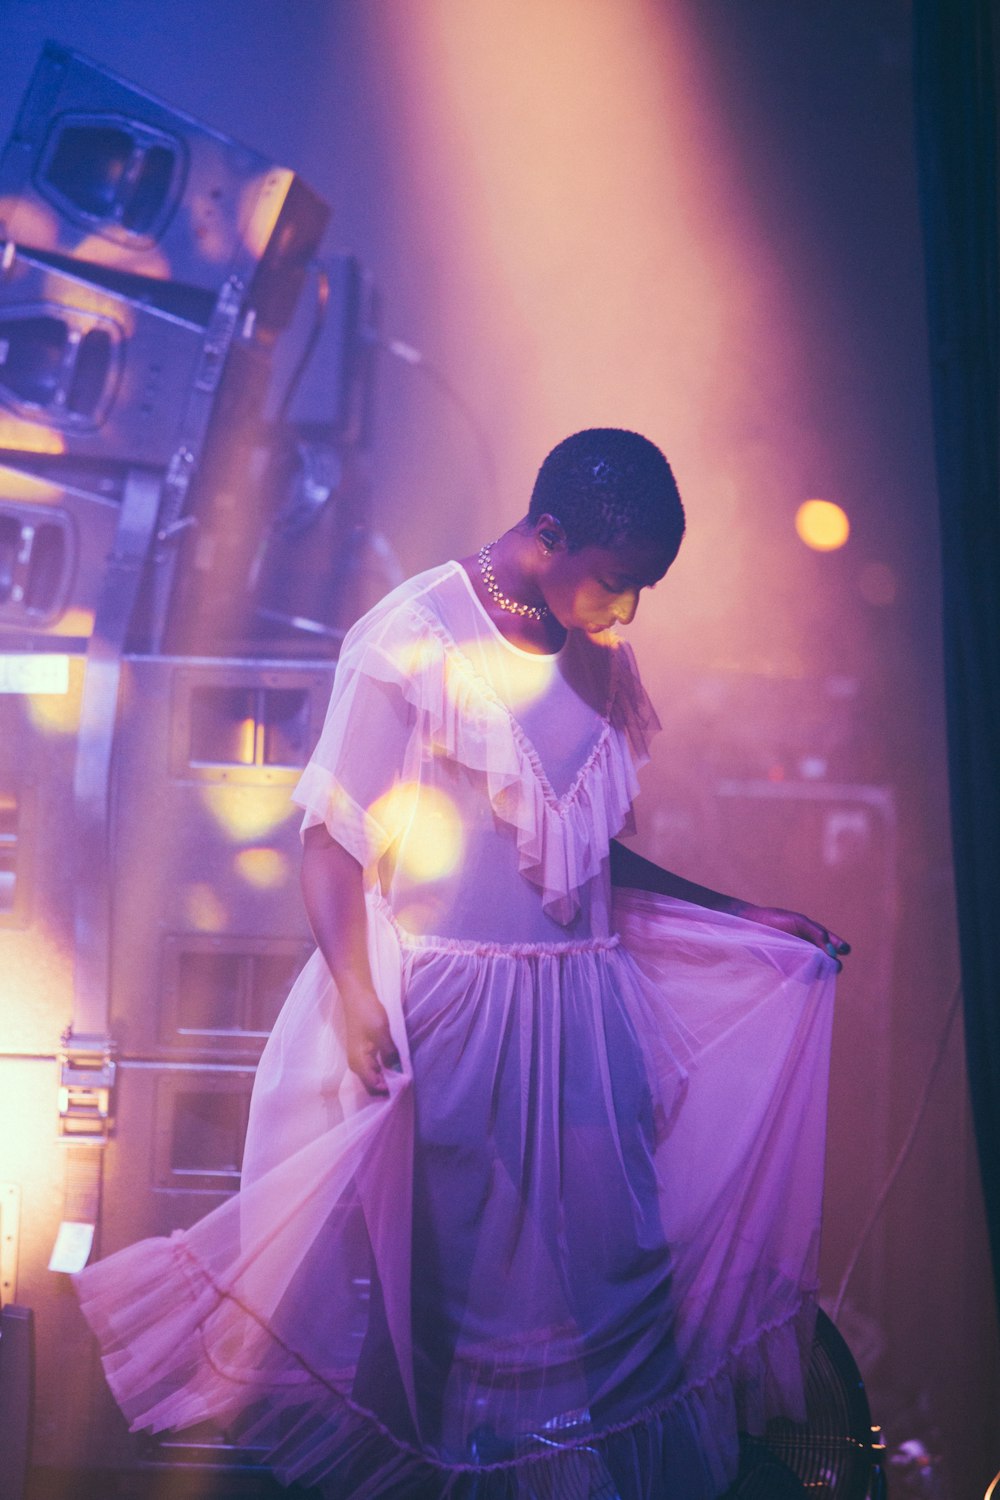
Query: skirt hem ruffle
{"points": [[181, 1350]]}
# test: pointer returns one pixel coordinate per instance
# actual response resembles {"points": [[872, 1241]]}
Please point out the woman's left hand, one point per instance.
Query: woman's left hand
{"points": [[799, 926]]}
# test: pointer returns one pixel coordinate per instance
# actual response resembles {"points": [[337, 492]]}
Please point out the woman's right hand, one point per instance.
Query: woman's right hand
{"points": [[333, 891], [370, 1047]]}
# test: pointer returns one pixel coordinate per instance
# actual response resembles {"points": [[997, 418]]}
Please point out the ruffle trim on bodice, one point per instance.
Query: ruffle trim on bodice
{"points": [[561, 841]]}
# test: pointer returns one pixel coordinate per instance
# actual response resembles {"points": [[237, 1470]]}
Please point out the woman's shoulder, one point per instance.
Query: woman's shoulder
{"points": [[410, 606]]}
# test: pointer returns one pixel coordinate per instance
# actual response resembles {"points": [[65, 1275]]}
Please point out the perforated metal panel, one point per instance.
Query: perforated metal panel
{"points": [[208, 933]]}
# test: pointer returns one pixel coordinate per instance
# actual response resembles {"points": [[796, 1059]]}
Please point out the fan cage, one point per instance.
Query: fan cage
{"points": [[832, 1454]]}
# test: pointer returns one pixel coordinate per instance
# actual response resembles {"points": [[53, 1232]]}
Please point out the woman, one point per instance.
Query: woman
{"points": [[532, 1179]]}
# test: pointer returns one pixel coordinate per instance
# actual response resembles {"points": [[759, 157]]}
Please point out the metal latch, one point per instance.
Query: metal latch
{"points": [[86, 1086], [219, 334]]}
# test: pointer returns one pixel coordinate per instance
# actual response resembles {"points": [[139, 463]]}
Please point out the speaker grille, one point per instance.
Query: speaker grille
{"points": [[59, 364], [36, 564], [120, 177]]}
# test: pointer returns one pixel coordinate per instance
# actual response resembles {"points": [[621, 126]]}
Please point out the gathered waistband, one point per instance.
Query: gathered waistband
{"points": [[505, 950], [436, 943]]}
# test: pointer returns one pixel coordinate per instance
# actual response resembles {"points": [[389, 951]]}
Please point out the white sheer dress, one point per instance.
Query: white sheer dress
{"points": [[574, 1252]]}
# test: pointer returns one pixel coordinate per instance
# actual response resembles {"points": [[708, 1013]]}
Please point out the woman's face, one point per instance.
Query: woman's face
{"points": [[598, 587]]}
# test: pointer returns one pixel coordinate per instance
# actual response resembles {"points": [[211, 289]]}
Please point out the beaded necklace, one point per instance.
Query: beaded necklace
{"points": [[528, 611]]}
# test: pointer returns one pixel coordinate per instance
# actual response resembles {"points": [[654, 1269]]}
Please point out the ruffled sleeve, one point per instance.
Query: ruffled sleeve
{"points": [[367, 748]]}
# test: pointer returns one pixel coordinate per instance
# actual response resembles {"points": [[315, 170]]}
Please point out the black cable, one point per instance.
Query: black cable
{"points": [[901, 1156], [411, 356]]}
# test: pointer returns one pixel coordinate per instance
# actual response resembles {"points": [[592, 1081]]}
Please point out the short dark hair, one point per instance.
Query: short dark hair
{"points": [[606, 486]]}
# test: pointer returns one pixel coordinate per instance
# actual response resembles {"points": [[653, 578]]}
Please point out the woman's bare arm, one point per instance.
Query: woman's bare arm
{"points": [[631, 869], [333, 892]]}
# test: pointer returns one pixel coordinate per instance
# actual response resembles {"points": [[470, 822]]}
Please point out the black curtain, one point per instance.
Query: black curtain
{"points": [[955, 94]]}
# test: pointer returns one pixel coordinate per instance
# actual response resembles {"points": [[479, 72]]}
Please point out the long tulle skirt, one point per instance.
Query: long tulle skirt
{"points": [[571, 1255]]}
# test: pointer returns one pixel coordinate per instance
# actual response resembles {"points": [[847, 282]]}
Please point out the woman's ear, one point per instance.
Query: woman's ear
{"points": [[549, 533]]}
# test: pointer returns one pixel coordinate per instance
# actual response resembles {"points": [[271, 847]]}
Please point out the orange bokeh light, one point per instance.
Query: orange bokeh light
{"points": [[204, 908], [428, 820], [243, 811], [878, 584], [822, 525], [262, 867]]}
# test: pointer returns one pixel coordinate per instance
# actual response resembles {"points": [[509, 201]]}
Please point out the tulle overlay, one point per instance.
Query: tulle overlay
{"points": [[573, 1253], [458, 714]]}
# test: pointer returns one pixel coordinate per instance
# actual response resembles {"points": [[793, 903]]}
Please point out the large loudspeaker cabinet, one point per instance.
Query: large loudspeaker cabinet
{"points": [[58, 519], [100, 171], [147, 265], [148, 847], [208, 933], [104, 373]]}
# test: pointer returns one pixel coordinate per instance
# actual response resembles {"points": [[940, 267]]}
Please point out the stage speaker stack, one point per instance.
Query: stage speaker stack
{"points": [[147, 266], [150, 268]]}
